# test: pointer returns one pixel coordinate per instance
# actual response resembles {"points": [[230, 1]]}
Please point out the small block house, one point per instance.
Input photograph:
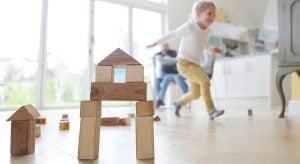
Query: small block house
{"points": [[23, 130]]}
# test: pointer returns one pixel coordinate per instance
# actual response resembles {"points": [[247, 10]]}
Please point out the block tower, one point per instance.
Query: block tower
{"points": [[106, 87]]}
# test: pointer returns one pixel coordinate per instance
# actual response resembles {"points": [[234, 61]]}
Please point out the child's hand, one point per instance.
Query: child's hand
{"points": [[151, 45], [217, 50]]}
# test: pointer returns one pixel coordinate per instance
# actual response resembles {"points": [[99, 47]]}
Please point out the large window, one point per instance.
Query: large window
{"points": [[157, 1], [146, 29], [129, 28], [19, 40], [67, 56], [110, 29], [49, 48]]}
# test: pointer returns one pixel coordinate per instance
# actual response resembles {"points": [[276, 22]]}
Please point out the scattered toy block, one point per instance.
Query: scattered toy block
{"points": [[90, 108], [131, 115], [250, 112], [64, 125], [37, 130], [42, 120], [89, 138], [104, 74], [144, 138], [37, 121], [156, 118], [110, 121], [144, 108], [125, 121], [119, 91], [65, 116], [134, 73]]}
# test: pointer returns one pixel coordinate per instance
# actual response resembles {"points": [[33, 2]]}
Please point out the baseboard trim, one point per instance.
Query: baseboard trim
{"points": [[237, 102], [294, 106]]}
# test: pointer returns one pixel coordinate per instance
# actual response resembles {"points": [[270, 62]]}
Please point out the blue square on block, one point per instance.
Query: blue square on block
{"points": [[119, 75]]}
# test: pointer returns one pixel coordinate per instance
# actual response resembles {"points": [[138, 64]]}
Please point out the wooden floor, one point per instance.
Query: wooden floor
{"points": [[234, 139]]}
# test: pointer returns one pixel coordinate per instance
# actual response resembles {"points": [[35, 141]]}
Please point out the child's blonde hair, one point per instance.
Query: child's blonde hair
{"points": [[201, 5]]}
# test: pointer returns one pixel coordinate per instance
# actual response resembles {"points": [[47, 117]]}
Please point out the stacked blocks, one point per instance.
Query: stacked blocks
{"points": [[23, 128], [144, 130], [105, 88], [90, 112]]}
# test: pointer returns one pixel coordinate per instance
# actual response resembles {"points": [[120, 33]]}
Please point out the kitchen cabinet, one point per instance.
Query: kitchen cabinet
{"points": [[247, 78], [242, 77]]}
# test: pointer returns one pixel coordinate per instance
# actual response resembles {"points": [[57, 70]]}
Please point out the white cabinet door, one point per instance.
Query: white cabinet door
{"points": [[218, 83], [235, 78], [258, 78], [242, 77]]}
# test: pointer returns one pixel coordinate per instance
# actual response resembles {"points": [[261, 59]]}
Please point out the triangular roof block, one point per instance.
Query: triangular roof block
{"points": [[26, 112], [118, 57]]}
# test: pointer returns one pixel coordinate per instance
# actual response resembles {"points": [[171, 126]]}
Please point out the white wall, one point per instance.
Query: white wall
{"points": [[178, 11], [246, 13], [271, 14]]}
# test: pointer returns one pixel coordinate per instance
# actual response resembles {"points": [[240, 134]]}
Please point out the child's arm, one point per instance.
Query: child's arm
{"points": [[179, 32], [167, 60], [209, 48]]}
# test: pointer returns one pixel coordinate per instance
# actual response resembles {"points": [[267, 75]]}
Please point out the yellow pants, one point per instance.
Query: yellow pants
{"points": [[198, 80]]}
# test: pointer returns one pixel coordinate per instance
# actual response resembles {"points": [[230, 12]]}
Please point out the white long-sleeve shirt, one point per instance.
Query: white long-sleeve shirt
{"points": [[193, 41]]}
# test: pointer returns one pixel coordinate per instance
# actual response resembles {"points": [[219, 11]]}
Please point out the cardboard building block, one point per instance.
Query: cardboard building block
{"points": [[104, 74], [90, 108], [125, 121], [144, 138], [144, 108], [119, 91], [110, 121], [37, 130], [89, 137], [134, 73]]}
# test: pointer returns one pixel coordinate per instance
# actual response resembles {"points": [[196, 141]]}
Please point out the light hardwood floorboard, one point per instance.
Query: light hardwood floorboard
{"points": [[193, 138]]}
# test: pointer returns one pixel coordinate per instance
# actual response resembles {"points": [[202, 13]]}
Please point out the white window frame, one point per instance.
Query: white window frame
{"points": [[131, 4]]}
